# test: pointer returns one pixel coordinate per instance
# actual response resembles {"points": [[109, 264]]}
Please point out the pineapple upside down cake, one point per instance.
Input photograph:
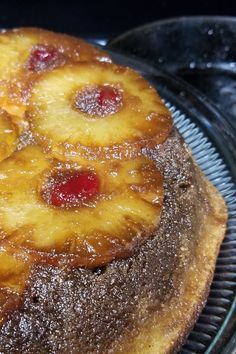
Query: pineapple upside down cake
{"points": [[109, 230]]}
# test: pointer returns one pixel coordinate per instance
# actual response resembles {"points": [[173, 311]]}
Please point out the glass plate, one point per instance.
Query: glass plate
{"points": [[212, 140], [199, 49]]}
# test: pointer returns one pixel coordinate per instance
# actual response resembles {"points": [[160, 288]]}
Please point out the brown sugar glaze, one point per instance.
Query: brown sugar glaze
{"points": [[33, 51], [136, 116], [63, 305], [19, 251]]}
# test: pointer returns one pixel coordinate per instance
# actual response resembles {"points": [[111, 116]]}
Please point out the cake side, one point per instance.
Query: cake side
{"points": [[95, 311], [167, 331]]}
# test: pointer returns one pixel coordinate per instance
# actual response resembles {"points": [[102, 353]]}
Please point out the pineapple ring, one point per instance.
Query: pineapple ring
{"points": [[8, 135], [15, 266], [124, 213], [18, 66], [72, 129]]}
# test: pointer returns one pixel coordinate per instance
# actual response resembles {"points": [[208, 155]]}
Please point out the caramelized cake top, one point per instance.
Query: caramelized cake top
{"points": [[76, 189], [101, 207]]}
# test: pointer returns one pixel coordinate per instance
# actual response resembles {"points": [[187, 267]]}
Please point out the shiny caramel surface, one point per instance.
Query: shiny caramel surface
{"points": [[27, 52], [60, 125], [122, 214], [75, 187], [9, 135]]}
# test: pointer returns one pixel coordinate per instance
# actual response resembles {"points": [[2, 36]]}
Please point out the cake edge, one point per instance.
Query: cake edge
{"points": [[169, 336]]}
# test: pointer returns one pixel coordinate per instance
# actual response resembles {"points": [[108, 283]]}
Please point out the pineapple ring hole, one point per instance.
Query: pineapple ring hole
{"points": [[71, 188], [44, 57], [99, 100]]}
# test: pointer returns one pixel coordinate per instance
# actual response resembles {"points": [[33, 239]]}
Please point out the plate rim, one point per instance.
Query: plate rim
{"points": [[206, 103], [198, 18]]}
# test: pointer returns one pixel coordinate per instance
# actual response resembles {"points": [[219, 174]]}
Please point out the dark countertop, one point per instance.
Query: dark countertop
{"points": [[102, 18]]}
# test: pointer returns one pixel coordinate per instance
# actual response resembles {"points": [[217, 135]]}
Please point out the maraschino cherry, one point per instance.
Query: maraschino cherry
{"points": [[73, 188], [99, 101], [42, 58]]}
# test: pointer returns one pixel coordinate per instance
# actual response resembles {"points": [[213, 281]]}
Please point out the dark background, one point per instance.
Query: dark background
{"points": [[103, 18]]}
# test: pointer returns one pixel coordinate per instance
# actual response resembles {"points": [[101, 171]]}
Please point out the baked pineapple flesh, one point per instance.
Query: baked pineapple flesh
{"points": [[117, 207], [15, 266], [84, 194], [96, 110], [27, 52], [8, 135]]}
